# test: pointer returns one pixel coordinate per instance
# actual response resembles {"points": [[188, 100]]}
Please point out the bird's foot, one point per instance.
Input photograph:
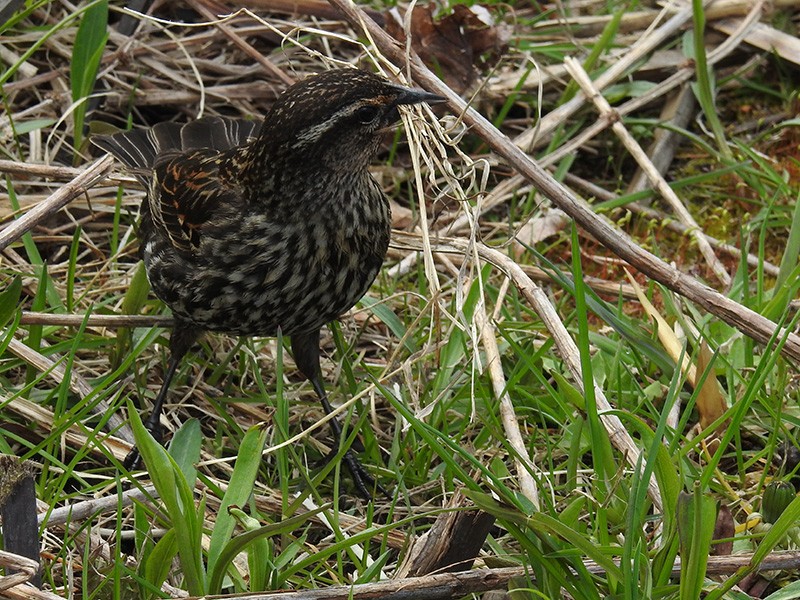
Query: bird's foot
{"points": [[362, 478], [133, 461]]}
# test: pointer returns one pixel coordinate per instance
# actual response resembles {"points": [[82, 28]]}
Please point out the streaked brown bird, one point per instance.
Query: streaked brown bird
{"points": [[249, 230]]}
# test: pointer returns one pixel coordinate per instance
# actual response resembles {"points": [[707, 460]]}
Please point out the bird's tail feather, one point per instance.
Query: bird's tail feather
{"points": [[138, 149]]}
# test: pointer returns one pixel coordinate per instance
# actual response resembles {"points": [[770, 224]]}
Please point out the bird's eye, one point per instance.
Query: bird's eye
{"points": [[367, 114]]}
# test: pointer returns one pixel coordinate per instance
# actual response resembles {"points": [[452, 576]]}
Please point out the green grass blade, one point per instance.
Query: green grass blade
{"points": [[9, 300], [90, 41], [178, 500], [704, 87], [542, 523], [239, 490], [159, 561], [602, 453], [697, 515], [388, 318], [790, 256], [184, 448], [240, 542]]}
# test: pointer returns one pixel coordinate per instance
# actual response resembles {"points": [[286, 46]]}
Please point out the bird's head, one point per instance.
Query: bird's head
{"points": [[337, 118]]}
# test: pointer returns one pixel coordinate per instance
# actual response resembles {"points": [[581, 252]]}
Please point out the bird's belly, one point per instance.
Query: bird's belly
{"points": [[276, 280]]}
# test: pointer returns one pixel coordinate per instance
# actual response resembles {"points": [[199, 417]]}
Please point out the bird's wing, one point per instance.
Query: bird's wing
{"points": [[188, 192]]}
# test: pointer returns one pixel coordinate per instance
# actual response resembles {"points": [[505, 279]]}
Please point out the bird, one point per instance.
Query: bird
{"points": [[251, 229]]}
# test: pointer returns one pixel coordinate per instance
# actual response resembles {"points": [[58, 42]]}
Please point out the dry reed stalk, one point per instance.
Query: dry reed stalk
{"points": [[515, 182], [88, 177], [523, 463], [241, 43], [111, 321], [644, 162], [651, 213]]}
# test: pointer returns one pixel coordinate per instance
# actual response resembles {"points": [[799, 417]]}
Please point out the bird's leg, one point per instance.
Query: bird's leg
{"points": [[180, 341], [305, 348]]}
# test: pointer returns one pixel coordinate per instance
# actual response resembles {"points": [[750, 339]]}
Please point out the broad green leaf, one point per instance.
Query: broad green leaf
{"points": [[159, 562], [178, 498], [240, 543], [184, 447], [239, 489], [90, 41]]}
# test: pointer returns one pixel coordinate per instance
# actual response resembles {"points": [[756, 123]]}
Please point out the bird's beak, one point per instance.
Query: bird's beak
{"points": [[416, 96], [407, 96]]}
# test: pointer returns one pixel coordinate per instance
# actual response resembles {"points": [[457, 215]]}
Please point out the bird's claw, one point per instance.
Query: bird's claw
{"points": [[133, 461], [362, 478]]}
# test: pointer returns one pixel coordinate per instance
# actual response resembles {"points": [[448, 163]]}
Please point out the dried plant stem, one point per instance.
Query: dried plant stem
{"points": [[651, 213], [54, 171], [635, 21], [113, 321], [35, 413], [640, 156], [508, 417], [44, 364], [761, 35], [26, 569], [57, 200], [267, 501], [678, 78], [748, 321], [512, 184], [80, 511], [677, 111], [446, 586], [28, 592]]}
